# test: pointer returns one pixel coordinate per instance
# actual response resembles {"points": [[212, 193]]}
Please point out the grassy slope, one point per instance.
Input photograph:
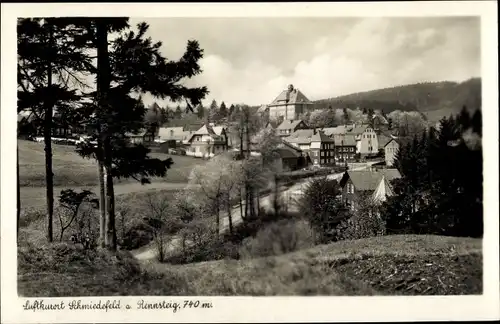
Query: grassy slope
{"points": [[446, 264], [72, 170]]}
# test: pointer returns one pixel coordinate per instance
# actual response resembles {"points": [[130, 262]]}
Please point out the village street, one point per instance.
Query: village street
{"points": [[290, 194]]}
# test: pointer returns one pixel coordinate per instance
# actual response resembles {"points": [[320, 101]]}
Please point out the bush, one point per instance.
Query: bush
{"points": [[322, 207], [63, 269], [29, 216], [281, 237], [138, 235], [361, 225], [209, 251]]}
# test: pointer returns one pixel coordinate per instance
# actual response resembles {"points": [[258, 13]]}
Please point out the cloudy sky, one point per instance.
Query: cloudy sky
{"points": [[250, 60]]}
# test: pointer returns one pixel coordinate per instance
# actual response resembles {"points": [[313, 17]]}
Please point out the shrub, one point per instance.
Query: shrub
{"points": [[31, 215], [361, 225], [321, 206], [138, 235], [63, 269], [209, 251], [281, 237]]}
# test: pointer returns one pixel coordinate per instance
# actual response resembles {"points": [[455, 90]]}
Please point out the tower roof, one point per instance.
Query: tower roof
{"points": [[290, 96]]}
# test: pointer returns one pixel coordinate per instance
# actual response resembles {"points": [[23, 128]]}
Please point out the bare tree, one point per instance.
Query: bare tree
{"points": [[158, 209]]}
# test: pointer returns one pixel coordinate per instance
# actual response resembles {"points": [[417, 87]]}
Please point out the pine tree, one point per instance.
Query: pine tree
{"points": [[464, 119], [200, 111], [213, 112], [223, 113], [134, 64], [345, 116], [48, 57], [231, 111], [477, 122], [178, 112]]}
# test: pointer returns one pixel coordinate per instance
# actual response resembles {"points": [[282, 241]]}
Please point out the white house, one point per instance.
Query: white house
{"points": [[391, 149], [205, 142], [366, 140]]}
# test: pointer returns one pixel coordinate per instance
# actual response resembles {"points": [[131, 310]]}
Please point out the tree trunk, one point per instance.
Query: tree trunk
{"points": [[252, 204], [47, 135], [246, 201], [102, 198], [217, 221], [240, 196], [229, 216], [103, 83], [18, 195], [241, 144], [110, 203]]}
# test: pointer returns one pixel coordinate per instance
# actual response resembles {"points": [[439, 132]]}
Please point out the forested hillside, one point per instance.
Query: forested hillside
{"points": [[434, 99]]}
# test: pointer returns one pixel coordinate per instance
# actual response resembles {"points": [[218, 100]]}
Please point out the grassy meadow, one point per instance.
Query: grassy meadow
{"points": [[70, 169]]}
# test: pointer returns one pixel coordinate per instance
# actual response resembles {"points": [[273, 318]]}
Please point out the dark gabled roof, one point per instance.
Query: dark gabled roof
{"points": [[289, 124], [321, 137], [284, 143], [301, 136], [383, 140], [337, 130], [391, 140], [344, 140], [366, 180], [288, 153]]}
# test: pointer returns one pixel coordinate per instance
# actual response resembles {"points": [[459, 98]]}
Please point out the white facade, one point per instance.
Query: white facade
{"points": [[391, 149], [367, 142]]}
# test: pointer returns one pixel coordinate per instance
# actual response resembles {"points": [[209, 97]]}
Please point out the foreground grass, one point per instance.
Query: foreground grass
{"points": [[387, 265], [70, 169]]}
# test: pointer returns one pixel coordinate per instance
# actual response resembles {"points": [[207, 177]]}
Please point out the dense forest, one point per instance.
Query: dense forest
{"points": [[434, 99]]}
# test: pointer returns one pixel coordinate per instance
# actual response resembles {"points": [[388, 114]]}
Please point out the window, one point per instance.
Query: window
{"points": [[322, 161]]}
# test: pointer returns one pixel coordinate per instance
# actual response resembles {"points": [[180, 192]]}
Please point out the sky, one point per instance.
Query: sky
{"points": [[251, 60]]}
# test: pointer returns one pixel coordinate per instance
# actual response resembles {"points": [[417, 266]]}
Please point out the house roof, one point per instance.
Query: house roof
{"points": [[205, 130], [366, 180], [337, 130], [301, 136], [383, 190], [288, 152], [193, 127], [358, 129], [344, 140], [166, 133], [383, 140], [262, 109], [321, 137], [381, 119], [290, 96], [390, 174], [392, 139], [289, 124], [284, 143], [218, 129], [25, 116]]}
